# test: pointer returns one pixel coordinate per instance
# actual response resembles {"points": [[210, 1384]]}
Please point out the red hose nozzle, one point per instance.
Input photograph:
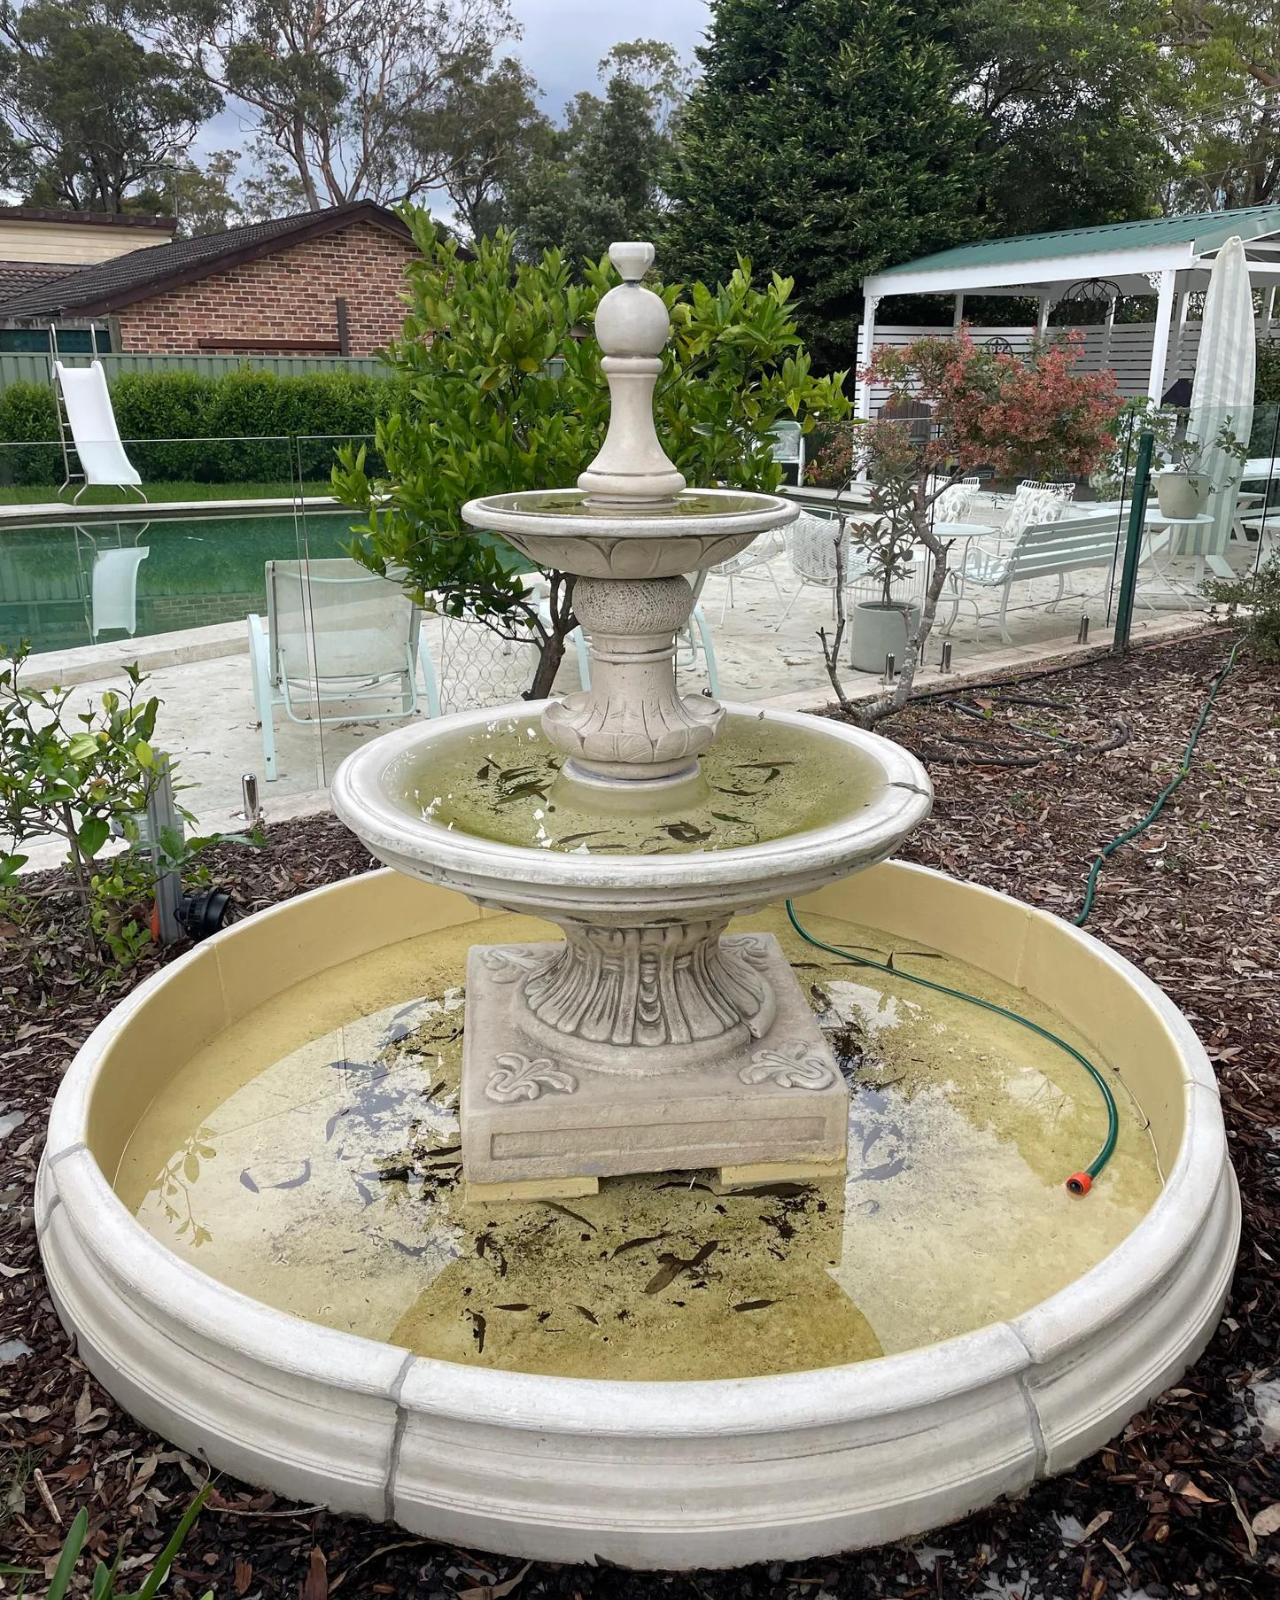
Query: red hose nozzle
{"points": [[1079, 1183]]}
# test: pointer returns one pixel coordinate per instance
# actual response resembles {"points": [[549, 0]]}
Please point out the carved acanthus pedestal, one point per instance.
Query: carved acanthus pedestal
{"points": [[632, 722]]}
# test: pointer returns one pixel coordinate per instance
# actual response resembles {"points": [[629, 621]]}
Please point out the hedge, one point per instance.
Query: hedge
{"points": [[231, 429]]}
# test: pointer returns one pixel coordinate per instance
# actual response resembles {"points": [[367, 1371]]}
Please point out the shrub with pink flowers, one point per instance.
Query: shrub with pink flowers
{"points": [[1019, 416]]}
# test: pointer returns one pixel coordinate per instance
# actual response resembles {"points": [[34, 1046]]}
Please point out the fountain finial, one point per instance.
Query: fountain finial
{"points": [[631, 325]]}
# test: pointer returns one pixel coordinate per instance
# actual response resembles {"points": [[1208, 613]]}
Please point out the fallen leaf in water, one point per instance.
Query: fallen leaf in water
{"points": [[672, 1265], [564, 1211], [753, 1305], [637, 1244]]}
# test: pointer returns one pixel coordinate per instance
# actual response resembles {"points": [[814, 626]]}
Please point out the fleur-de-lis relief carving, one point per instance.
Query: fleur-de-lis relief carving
{"points": [[796, 1064], [520, 1078], [506, 965], [749, 946]]}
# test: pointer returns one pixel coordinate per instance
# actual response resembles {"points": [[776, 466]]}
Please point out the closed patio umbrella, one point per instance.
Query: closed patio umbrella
{"points": [[1223, 392]]}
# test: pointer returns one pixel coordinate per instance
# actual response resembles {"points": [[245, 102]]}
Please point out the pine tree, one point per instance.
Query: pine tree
{"points": [[825, 140]]}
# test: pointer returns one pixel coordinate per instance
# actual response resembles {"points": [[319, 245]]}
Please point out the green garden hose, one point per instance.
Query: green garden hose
{"points": [[1132, 833], [1079, 1183]]}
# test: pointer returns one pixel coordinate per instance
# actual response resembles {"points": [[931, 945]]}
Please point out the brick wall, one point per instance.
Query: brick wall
{"points": [[289, 295]]}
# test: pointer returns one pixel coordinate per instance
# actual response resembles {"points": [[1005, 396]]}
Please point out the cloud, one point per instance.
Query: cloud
{"points": [[565, 39]]}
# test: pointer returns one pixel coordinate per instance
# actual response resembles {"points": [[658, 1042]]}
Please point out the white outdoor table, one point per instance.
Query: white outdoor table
{"points": [[1181, 540], [964, 530]]}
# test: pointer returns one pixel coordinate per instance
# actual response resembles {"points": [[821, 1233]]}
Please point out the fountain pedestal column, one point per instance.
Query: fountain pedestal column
{"points": [[642, 1048], [632, 724]]}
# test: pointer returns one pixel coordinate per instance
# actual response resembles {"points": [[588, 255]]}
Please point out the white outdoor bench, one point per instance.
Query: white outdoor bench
{"points": [[1042, 550]]}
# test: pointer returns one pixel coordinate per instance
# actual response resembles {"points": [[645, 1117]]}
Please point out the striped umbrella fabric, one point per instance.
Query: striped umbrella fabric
{"points": [[1222, 391]]}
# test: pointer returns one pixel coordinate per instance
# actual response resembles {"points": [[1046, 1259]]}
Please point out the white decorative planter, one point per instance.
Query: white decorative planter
{"points": [[881, 630], [712, 1473], [1178, 495]]}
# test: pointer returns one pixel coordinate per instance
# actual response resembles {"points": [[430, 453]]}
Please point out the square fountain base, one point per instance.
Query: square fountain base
{"points": [[528, 1119]]}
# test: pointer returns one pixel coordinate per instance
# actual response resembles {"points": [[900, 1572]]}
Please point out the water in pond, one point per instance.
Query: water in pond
{"points": [[309, 1157], [761, 780]]}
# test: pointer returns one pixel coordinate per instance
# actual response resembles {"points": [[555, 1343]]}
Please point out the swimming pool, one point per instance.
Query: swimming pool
{"points": [[93, 581]]}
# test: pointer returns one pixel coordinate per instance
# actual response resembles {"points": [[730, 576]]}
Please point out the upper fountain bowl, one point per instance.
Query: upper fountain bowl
{"points": [[572, 531]]}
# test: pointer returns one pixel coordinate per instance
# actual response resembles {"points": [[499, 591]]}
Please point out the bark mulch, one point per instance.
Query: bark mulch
{"points": [[1031, 780]]}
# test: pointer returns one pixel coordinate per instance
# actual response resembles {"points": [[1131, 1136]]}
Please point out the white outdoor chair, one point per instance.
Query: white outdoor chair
{"points": [[95, 437], [955, 502], [1052, 547], [478, 667], [811, 552], [761, 553], [788, 447], [1065, 491], [114, 589], [335, 633]]}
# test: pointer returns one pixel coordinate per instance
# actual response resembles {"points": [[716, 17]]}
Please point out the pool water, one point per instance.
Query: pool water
{"points": [[196, 572], [309, 1157]]}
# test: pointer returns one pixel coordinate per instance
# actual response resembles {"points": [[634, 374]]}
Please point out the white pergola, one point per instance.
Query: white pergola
{"points": [[1170, 256]]}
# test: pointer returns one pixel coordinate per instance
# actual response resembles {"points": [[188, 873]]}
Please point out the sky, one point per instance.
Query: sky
{"points": [[562, 43], [564, 39]]}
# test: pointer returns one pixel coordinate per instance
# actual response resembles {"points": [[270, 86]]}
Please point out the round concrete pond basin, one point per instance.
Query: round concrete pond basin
{"points": [[253, 1220]]}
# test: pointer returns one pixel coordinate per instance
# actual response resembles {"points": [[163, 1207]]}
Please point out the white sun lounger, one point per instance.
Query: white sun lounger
{"points": [[95, 436], [335, 633]]}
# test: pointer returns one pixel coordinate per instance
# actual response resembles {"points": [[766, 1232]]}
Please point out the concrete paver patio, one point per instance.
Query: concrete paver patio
{"points": [[208, 722]]}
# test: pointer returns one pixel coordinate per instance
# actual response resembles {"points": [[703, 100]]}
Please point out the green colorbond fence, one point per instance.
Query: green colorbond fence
{"points": [[34, 368]]}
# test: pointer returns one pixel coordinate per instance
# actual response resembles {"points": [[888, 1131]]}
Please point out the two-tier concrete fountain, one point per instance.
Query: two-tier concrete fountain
{"points": [[649, 1040], [252, 1208]]}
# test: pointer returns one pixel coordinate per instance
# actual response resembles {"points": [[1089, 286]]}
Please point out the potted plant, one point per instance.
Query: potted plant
{"points": [[884, 626], [1184, 485]]}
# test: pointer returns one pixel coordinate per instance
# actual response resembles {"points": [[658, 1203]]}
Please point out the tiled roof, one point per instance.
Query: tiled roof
{"points": [[18, 276], [139, 274]]}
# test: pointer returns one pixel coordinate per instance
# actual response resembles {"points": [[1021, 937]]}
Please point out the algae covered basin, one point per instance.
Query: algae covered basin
{"points": [[760, 781], [308, 1156]]}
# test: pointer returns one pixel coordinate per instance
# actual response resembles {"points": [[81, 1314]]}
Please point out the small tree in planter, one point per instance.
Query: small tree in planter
{"points": [[506, 393], [1016, 417], [1184, 485], [887, 541]]}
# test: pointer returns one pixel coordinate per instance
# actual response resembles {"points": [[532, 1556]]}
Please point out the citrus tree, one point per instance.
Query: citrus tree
{"points": [[504, 392]]}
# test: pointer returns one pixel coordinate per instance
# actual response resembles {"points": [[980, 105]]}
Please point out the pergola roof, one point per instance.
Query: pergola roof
{"points": [[1125, 253]]}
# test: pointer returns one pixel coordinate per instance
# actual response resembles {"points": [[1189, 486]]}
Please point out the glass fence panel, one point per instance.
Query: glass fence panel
{"points": [[368, 666], [179, 585]]}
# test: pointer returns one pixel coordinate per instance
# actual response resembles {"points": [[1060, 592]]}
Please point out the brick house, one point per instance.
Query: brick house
{"points": [[323, 283]]}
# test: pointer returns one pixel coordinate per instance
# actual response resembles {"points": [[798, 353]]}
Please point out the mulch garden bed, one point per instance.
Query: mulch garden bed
{"points": [[1031, 780]]}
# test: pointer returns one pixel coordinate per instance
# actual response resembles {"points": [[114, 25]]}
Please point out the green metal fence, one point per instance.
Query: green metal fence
{"points": [[34, 367]]}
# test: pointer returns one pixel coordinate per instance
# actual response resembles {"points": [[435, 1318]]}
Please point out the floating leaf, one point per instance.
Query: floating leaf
{"points": [[637, 1244], [673, 1265]]}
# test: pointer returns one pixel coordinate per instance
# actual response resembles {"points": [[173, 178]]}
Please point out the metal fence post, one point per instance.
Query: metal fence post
{"points": [[1133, 543]]}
